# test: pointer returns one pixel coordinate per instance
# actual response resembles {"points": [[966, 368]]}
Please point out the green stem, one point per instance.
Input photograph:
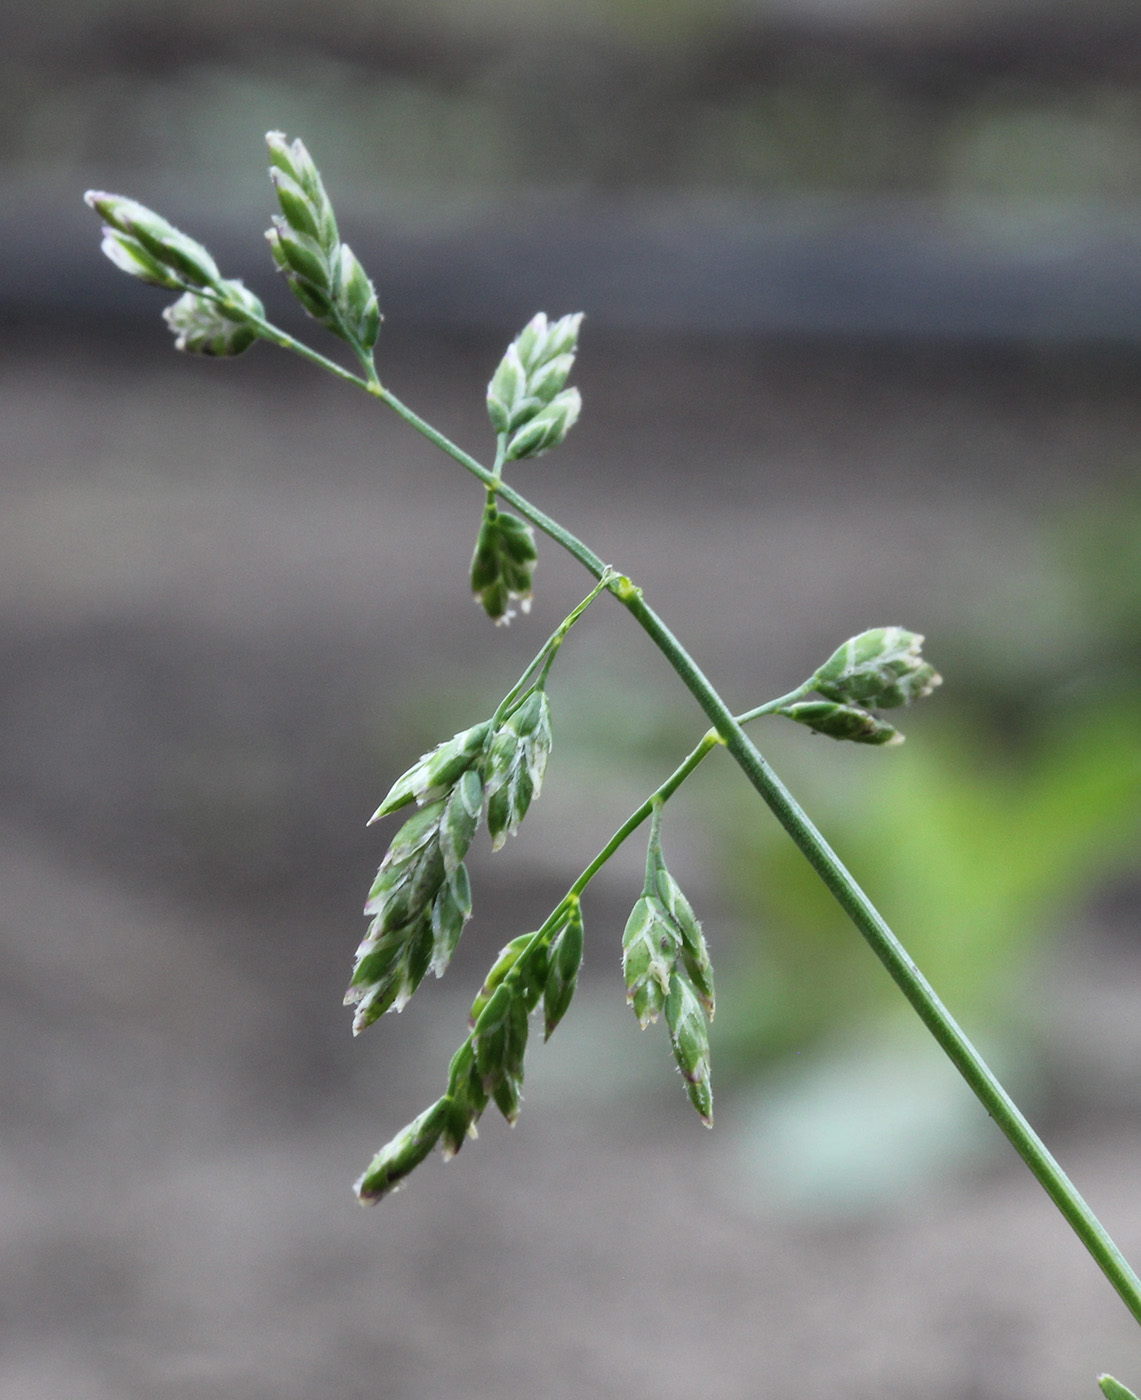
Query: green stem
{"points": [[660, 795], [491, 479], [284, 341], [491, 505], [637, 817], [574, 546], [558, 915], [547, 652], [770, 707]]}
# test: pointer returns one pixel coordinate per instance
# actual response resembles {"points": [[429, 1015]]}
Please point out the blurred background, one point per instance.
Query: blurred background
{"points": [[863, 345]]}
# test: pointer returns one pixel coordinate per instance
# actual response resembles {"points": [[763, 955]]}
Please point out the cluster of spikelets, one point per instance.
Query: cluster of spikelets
{"points": [[215, 315], [533, 969], [419, 904], [880, 669], [531, 411], [323, 272], [528, 402], [666, 965], [219, 316], [421, 897]]}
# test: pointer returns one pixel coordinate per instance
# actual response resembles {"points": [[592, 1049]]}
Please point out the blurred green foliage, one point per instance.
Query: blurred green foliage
{"points": [[1019, 790], [974, 855]]}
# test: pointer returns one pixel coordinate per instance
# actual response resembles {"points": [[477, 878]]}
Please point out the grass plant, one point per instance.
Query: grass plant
{"points": [[493, 770]]}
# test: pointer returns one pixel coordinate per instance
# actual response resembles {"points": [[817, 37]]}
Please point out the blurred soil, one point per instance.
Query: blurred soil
{"points": [[232, 605]]}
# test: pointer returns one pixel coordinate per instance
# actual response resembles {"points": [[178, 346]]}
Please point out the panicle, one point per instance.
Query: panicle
{"points": [[881, 668], [667, 968], [323, 273], [214, 315], [526, 399]]}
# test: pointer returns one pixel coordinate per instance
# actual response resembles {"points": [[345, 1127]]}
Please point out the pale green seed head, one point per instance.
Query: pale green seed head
{"points": [[465, 1101], [451, 909], [526, 397], [506, 391], [1112, 1389], [508, 956], [547, 428], [503, 565], [283, 156], [650, 947], [507, 807], [460, 819], [531, 716], [693, 947], [434, 773], [402, 1155], [562, 336], [508, 1096], [391, 963], [563, 964], [689, 1037], [185, 261], [296, 206], [531, 342], [410, 874], [491, 1037], [300, 256], [842, 722], [515, 766], [517, 538], [501, 760], [201, 327], [881, 668], [506, 1085], [293, 160], [356, 298], [238, 301], [129, 256], [525, 962], [185, 255], [546, 381]]}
